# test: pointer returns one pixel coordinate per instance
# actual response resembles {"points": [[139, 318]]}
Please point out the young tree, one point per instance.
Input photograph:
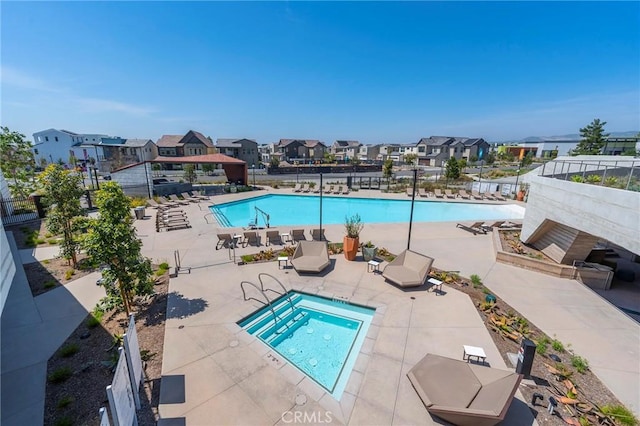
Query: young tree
{"points": [[452, 170], [274, 162], [112, 241], [387, 169], [17, 162], [527, 160], [190, 173], [462, 164], [593, 139], [491, 158], [63, 189], [410, 158], [329, 158], [208, 169]]}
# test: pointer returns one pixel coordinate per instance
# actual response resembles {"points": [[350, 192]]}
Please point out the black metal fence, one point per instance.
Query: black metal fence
{"points": [[18, 210], [623, 174]]}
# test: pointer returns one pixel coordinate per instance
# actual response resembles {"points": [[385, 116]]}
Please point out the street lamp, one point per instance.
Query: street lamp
{"points": [[297, 170], [517, 177], [253, 169]]}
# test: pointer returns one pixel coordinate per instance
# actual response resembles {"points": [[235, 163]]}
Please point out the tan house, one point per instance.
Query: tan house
{"points": [[193, 143]]}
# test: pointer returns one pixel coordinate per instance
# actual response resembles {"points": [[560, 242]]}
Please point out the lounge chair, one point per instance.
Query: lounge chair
{"points": [[476, 195], [155, 205], [499, 196], [409, 269], [449, 194], [409, 191], [489, 196], [190, 198], [167, 203], [250, 238], [306, 188], [171, 213], [274, 237], [297, 235], [496, 224], [337, 189], [175, 199], [438, 193], [199, 194], [173, 226], [327, 189], [464, 195], [310, 256], [345, 190], [423, 193], [316, 189], [462, 393], [317, 236], [224, 240], [297, 188], [475, 227]]}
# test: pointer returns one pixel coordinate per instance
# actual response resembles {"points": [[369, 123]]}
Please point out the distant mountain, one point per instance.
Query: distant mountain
{"points": [[575, 136]]}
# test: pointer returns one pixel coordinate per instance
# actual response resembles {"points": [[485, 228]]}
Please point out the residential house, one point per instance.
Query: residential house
{"points": [[345, 150], [436, 150], [389, 152], [243, 149], [118, 152], [267, 151], [368, 153], [58, 146], [301, 150], [192, 143]]}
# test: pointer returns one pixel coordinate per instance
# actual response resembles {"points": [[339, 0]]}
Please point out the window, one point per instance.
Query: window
{"points": [[56, 139], [46, 138]]}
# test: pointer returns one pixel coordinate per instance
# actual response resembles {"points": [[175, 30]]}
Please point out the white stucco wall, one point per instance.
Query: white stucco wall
{"points": [[7, 263], [608, 213]]}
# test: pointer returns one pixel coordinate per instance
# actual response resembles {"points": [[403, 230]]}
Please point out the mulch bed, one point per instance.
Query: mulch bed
{"points": [[78, 399], [589, 387]]}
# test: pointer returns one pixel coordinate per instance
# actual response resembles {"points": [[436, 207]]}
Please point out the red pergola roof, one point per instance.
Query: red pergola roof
{"points": [[199, 159]]}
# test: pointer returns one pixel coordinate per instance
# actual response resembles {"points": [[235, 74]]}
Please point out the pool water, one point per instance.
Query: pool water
{"points": [[321, 337], [305, 210]]}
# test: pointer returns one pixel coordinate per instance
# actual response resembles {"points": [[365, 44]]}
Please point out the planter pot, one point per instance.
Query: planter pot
{"points": [[369, 253], [520, 196], [350, 247]]}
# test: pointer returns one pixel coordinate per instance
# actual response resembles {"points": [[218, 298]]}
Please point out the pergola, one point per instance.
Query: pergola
{"points": [[235, 169]]}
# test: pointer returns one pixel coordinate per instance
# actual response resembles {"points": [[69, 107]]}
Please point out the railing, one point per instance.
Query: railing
{"points": [[621, 174], [18, 210]]}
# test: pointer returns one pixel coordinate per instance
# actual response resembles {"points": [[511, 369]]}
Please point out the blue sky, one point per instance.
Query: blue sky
{"points": [[374, 72]]}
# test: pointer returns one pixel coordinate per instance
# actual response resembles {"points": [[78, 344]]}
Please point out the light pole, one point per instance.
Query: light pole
{"points": [[517, 177], [253, 170], [297, 171], [480, 178], [413, 199]]}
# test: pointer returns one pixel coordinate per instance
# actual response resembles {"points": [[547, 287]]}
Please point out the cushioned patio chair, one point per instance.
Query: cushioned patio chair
{"points": [[496, 224], [476, 195], [224, 240], [438, 193], [190, 197], [475, 228], [409, 191], [310, 256], [409, 269], [297, 188], [175, 199], [337, 189], [498, 196], [327, 189], [345, 190], [306, 188], [274, 237], [316, 235], [250, 238], [462, 393], [423, 193], [449, 194], [464, 195], [297, 235]]}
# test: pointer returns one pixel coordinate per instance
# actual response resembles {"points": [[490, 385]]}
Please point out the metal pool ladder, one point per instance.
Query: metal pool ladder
{"points": [[263, 291]]}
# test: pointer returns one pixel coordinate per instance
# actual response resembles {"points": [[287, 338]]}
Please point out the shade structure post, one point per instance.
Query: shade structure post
{"points": [[413, 199]]}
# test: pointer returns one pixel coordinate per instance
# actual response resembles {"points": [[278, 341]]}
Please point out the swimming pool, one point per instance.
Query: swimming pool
{"points": [[319, 336], [305, 210]]}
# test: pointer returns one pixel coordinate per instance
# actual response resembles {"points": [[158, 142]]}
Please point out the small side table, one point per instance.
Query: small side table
{"points": [[437, 284], [281, 260], [373, 266], [286, 238], [473, 351], [237, 240]]}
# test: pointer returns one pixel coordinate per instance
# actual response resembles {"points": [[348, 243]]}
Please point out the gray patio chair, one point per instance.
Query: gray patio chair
{"points": [[462, 393], [475, 228], [449, 194], [464, 194], [250, 238], [297, 235], [317, 236], [310, 256], [224, 240], [409, 269], [274, 237], [423, 192], [438, 193]]}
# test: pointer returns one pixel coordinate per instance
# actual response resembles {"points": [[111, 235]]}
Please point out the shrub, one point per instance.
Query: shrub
{"points": [[594, 179], [49, 284], [611, 181], [579, 363], [41, 241], [577, 178], [164, 265], [247, 258], [46, 262], [69, 350], [92, 322], [541, 345], [60, 375], [64, 421], [52, 241], [620, 414], [64, 401], [475, 279], [557, 345], [69, 274]]}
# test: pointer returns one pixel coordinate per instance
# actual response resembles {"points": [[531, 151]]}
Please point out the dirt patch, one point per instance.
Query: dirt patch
{"points": [[52, 273], [510, 241], [78, 399], [590, 389], [32, 234]]}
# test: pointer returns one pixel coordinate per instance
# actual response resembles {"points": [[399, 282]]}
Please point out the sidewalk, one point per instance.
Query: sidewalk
{"points": [[32, 330]]}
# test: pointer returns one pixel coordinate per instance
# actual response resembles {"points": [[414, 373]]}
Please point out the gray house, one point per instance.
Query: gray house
{"points": [[243, 149], [436, 150], [345, 150], [301, 150]]}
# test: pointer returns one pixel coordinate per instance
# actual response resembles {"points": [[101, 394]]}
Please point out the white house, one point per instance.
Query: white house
{"points": [[54, 146]]}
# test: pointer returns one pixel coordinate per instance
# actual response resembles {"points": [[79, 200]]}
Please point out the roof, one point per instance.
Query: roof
{"points": [[309, 143], [199, 159], [137, 142], [437, 140], [172, 141], [344, 144], [69, 132], [231, 143]]}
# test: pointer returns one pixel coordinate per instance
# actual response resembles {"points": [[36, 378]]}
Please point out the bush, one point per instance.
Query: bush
{"points": [[64, 401], [69, 350], [557, 345], [49, 284], [579, 363], [476, 281], [247, 258], [620, 414], [594, 179], [541, 345], [69, 274], [577, 178], [64, 421], [60, 375]]}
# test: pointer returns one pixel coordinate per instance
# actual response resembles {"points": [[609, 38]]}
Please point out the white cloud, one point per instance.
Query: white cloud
{"points": [[16, 78], [106, 105]]}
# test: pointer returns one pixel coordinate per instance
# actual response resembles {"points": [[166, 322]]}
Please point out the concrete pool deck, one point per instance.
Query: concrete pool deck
{"points": [[230, 378]]}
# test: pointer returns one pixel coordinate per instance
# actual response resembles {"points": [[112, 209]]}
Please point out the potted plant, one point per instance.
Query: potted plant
{"points": [[369, 251], [522, 192], [351, 241]]}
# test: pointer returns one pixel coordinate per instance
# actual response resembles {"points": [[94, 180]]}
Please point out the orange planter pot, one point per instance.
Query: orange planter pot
{"points": [[350, 247]]}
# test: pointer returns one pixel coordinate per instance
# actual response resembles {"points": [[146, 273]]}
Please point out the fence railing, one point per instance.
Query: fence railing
{"points": [[18, 210], [615, 174]]}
